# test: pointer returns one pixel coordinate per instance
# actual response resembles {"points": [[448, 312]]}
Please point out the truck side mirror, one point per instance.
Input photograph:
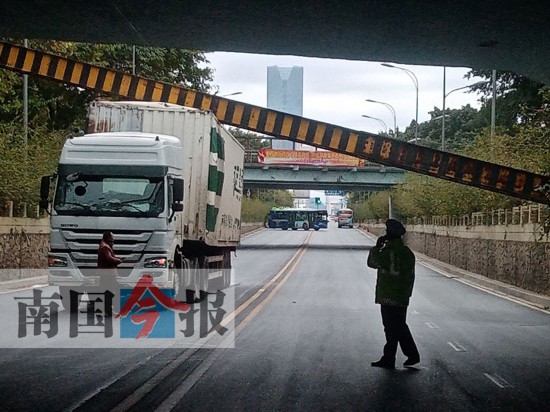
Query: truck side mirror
{"points": [[177, 207], [43, 204], [178, 190], [44, 188]]}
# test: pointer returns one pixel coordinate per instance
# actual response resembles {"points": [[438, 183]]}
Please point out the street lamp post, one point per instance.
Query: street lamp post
{"points": [[231, 94], [493, 101], [415, 81], [392, 110], [444, 97], [25, 104], [376, 118]]}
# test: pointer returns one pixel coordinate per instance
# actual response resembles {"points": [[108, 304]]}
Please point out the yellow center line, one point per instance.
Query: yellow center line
{"points": [[182, 389], [263, 289], [268, 298]]}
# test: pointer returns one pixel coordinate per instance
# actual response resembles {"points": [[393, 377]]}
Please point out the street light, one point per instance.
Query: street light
{"points": [[231, 94], [392, 110], [376, 118], [415, 81], [444, 110]]}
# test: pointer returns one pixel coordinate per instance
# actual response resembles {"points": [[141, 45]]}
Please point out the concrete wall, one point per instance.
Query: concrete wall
{"points": [[24, 244], [515, 254], [250, 227]]}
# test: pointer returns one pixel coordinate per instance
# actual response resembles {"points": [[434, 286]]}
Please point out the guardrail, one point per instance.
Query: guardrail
{"points": [[10, 209], [516, 216]]}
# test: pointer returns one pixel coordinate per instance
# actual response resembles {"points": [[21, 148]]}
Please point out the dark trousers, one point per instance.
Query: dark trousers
{"points": [[394, 319]]}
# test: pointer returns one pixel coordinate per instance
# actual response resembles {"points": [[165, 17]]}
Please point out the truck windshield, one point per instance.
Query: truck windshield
{"points": [[93, 195]]}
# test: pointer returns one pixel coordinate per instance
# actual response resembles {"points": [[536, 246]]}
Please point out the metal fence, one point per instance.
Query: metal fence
{"points": [[516, 216], [11, 209]]}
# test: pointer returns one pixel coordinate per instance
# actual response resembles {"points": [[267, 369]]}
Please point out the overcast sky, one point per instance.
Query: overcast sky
{"points": [[335, 90]]}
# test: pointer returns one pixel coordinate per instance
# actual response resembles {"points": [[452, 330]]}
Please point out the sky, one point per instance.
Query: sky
{"points": [[335, 90]]}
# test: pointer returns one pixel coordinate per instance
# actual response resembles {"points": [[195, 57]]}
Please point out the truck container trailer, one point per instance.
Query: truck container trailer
{"points": [[167, 180]]}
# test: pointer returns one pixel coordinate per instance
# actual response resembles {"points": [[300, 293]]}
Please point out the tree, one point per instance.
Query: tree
{"points": [[58, 106], [517, 97], [22, 166], [55, 108], [250, 140], [461, 127], [255, 208]]}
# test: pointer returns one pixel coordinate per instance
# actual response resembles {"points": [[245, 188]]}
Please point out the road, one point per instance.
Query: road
{"points": [[306, 329]]}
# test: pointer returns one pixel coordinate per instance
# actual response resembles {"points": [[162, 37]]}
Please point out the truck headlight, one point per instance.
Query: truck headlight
{"points": [[156, 262], [57, 262]]}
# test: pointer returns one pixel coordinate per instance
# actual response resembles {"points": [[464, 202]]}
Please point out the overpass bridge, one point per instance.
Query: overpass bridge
{"points": [[371, 177]]}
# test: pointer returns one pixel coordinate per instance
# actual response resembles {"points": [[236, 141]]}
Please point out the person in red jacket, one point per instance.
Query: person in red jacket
{"points": [[107, 264]]}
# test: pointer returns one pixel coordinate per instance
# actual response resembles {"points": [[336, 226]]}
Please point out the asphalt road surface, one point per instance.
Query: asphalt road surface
{"points": [[305, 330]]}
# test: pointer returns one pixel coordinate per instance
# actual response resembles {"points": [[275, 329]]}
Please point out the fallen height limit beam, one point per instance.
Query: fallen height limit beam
{"points": [[448, 166]]}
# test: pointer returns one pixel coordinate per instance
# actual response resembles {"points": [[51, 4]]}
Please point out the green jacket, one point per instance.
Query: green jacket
{"points": [[395, 264]]}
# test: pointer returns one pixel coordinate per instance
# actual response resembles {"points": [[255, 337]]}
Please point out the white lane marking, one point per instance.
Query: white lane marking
{"points": [[514, 299], [457, 346], [22, 288], [432, 325], [498, 380], [415, 312], [482, 288], [435, 269]]}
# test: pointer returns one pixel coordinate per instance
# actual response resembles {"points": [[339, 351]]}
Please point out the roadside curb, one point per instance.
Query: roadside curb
{"points": [[18, 284], [9, 286], [252, 232], [535, 299]]}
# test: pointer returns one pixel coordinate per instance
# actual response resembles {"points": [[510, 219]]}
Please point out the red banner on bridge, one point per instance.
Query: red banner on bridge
{"points": [[306, 157]]}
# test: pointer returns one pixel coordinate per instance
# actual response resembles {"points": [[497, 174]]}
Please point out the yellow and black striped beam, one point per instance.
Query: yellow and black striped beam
{"points": [[460, 169]]}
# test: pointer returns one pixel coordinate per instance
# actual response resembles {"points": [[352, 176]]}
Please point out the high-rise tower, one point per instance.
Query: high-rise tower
{"points": [[285, 92]]}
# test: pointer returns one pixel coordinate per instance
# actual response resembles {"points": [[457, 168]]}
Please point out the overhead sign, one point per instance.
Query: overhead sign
{"points": [[306, 157], [334, 193]]}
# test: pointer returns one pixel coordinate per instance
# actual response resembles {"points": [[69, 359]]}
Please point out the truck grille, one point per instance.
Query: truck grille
{"points": [[83, 245]]}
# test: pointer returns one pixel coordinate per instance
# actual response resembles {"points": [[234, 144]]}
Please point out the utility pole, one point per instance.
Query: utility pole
{"points": [[443, 114], [494, 103], [25, 104]]}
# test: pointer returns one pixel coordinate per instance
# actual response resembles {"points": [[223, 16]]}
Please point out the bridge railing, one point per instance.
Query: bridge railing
{"points": [[251, 157], [20, 209], [516, 216]]}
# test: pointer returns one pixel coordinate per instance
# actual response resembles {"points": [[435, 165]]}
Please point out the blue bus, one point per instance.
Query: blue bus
{"points": [[293, 218]]}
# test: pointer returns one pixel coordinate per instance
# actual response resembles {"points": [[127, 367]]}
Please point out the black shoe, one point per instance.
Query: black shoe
{"points": [[411, 361], [383, 364]]}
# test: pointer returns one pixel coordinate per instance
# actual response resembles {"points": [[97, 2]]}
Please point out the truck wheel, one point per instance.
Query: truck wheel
{"points": [[191, 285], [226, 270], [65, 293], [197, 288], [203, 275], [180, 272]]}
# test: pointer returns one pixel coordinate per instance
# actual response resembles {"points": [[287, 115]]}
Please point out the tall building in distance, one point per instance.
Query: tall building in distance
{"points": [[285, 92]]}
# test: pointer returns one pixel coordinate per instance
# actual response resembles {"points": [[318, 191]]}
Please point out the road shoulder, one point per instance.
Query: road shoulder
{"points": [[500, 288]]}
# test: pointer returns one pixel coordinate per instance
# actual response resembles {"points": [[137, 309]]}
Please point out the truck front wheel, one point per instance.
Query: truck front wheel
{"points": [[65, 293]]}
